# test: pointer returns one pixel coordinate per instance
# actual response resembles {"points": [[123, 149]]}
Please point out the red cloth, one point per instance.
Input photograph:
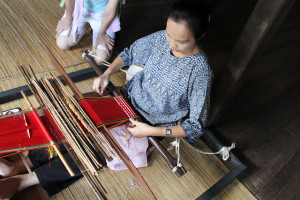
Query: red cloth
{"points": [[14, 135], [107, 110], [44, 131]]}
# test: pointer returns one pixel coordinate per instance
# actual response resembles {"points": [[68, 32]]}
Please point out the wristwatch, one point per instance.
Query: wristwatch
{"points": [[168, 131]]}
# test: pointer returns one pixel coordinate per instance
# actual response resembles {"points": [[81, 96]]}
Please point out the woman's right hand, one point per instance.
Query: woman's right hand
{"points": [[101, 83]]}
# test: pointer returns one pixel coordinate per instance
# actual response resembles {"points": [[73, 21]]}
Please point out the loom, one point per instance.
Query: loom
{"points": [[50, 125]]}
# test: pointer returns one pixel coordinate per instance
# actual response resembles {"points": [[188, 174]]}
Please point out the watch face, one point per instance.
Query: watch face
{"points": [[168, 131]]}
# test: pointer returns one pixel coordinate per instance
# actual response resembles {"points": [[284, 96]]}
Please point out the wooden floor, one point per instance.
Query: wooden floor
{"points": [[27, 27], [263, 119]]}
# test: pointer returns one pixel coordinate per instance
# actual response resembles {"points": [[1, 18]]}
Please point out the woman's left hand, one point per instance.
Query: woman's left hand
{"points": [[106, 41], [139, 129]]}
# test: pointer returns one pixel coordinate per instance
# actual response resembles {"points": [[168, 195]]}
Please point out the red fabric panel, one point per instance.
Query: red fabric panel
{"points": [[14, 136], [107, 110], [44, 131]]}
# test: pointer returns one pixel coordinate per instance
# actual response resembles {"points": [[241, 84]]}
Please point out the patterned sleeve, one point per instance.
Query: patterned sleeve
{"points": [[139, 52], [198, 98]]}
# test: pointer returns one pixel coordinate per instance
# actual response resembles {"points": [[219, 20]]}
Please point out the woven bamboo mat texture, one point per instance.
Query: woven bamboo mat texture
{"points": [[27, 27]]}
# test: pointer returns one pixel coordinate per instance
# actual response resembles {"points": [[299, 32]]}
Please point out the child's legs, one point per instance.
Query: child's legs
{"points": [[34, 159], [12, 185], [8, 169]]}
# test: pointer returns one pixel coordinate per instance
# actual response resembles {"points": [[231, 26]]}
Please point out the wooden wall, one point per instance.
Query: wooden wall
{"points": [[264, 117]]}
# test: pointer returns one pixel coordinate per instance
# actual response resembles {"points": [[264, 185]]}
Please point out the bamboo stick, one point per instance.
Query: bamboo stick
{"points": [[96, 185], [66, 128], [69, 108], [54, 145], [62, 72], [109, 137], [87, 122], [68, 115], [27, 77]]}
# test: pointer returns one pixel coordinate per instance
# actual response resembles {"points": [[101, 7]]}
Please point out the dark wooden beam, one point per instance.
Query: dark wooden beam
{"points": [[15, 93], [259, 29]]}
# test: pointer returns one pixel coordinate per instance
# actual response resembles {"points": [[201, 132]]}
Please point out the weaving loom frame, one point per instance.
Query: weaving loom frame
{"points": [[236, 166]]}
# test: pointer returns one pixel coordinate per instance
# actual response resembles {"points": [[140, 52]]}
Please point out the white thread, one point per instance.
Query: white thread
{"points": [[176, 144], [176, 167], [83, 54], [123, 70], [93, 54], [132, 186], [224, 151]]}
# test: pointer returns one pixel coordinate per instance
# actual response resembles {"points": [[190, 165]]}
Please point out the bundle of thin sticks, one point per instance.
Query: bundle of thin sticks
{"points": [[108, 135], [67, 114], [78, 129]]}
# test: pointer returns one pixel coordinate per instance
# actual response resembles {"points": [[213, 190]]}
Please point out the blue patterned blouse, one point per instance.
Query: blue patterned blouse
{"points": [[169, 88]]}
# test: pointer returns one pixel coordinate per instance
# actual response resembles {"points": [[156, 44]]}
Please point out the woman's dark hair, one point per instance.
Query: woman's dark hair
{"points": [[194, 12]]}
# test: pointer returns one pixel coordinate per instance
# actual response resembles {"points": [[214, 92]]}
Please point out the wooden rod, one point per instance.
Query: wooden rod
{"points": [[63, 160], [63, 73], [27, 77], [70, 132]]}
